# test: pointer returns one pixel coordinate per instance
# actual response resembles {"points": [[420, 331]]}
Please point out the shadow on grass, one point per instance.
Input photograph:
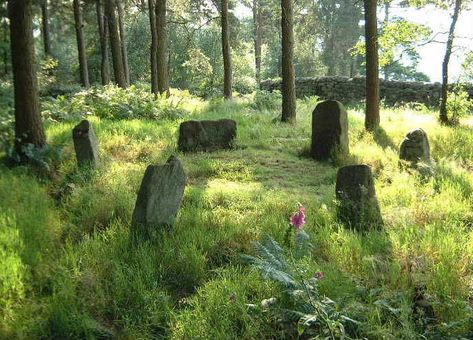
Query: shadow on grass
{"points": [[445, 174], [382, 139]]}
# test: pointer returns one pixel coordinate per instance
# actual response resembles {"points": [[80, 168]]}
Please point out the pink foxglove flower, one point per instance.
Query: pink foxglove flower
{"points": [[298, 219]]}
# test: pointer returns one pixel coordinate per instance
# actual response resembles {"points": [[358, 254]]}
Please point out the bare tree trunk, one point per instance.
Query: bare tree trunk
{"points": [[45, 28], [153, 48], [287, 55], [28, 125], [117, 56], [84, 73], [258, 40], [227, 57], [448, 52], [162, 47], [121, 26], [103, 33], [372, 69]]}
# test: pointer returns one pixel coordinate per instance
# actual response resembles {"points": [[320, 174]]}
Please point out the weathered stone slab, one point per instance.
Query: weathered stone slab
{"points": [[85, 144], [329, 130], [358, 205], [159, 197], [415, 147], [207, 135]]}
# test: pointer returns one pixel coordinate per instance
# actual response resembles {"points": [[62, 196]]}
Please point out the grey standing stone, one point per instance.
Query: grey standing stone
{"points": [[415, 147], [358, 205], [85, 144], [207, 135], [329, 130], [159, 197]]}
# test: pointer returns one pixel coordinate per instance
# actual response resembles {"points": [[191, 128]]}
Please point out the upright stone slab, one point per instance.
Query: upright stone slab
{"points": [[358, 205], [207, 135], [85, 144], [415, 147], [329, 130], [159, 197]]}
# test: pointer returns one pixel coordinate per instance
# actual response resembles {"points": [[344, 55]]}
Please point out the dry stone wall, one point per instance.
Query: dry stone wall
{"points": [[352, 90]]}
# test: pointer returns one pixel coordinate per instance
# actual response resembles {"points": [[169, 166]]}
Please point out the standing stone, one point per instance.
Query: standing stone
{"points": [[86, 144], [207, 135], [329, 130], [159, 197], [358, 206], [415, 147]]}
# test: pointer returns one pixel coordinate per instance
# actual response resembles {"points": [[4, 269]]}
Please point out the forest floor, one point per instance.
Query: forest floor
{"points": [[67, 269]]}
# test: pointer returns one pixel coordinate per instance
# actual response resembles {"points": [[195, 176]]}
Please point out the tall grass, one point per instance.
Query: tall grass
{"points": [[68, 269]]}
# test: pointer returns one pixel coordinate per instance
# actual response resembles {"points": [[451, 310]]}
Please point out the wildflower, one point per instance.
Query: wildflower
{"points": [[319, 275], [298, 219]]}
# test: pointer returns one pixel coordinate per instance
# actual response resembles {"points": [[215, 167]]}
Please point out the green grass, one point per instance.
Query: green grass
{"points": [[68, 269]]}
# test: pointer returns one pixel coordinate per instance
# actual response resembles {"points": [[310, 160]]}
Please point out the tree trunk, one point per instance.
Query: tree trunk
{"points": [[103, 35], [287, 55], [258, 40], [45, 28], [28, 125], [446, 60], [117, 56], [121, 26], [162, 47], [372, 69], [227, 57], [84, 73], [154, 48]]}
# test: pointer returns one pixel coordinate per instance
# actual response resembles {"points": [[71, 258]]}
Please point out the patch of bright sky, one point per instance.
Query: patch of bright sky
{"points": [[431, 55]]}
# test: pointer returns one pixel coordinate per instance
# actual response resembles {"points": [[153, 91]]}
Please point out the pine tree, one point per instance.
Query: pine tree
{"points": [[28, 125]]}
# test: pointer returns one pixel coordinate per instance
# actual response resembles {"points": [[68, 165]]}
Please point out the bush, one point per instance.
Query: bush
{"points": [[267, 101], [459, 104]]}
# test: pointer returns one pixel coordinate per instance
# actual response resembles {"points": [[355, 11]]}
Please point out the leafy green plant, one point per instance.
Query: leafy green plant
{"points": [[301, 301], [459, 104], [266, 101], [47, 72], [44, 159], [112, 102]]}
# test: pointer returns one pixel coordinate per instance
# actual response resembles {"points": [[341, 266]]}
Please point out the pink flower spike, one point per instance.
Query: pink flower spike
{"points": [[298, 219], [319, 275]]}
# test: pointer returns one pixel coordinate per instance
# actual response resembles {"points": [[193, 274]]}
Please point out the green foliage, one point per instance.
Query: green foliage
{"points": [[398, 38], [266, 101], [300, 301], [467, 67], [200, 70], [336, 24], [6, 114], [47, 73], [459, 104], [112, 102]]}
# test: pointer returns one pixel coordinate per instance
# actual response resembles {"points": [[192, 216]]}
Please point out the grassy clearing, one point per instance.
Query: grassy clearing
{"points": [[69, 271]]}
